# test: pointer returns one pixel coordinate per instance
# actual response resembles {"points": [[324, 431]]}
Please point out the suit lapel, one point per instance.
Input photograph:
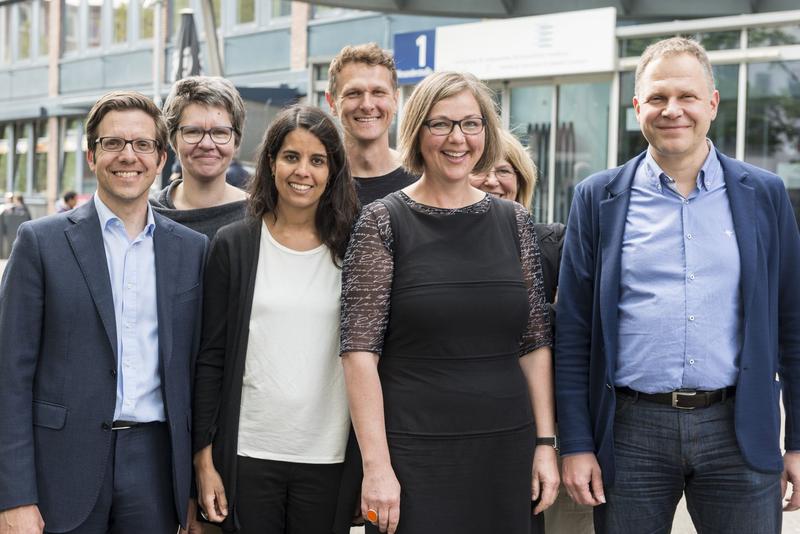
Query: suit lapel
{"points": [[741, 196], [167, 248], [86, 240], [613, 212]]}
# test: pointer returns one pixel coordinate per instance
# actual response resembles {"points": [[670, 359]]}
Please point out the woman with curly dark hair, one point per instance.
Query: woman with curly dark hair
{"points": [[270, 408]]}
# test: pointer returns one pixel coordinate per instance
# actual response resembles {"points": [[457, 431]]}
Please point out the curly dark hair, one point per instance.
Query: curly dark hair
{"points": [[338, 207]]}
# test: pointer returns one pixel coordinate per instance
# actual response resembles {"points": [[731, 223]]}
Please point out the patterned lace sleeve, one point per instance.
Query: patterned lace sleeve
{"points": [[539, 332], [367, 281]]}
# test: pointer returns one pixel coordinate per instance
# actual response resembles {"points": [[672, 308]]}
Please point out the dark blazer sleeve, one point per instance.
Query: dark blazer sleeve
{"points": [[574, 326], [21, 317], [211, 357]]}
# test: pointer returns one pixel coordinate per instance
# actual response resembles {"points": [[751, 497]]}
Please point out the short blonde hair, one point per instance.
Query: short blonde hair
{"points": [[370, 54], [674, 46], [524, 167], [433, 89]]}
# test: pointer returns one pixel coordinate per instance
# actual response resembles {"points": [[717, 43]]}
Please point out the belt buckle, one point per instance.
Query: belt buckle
{"points": [[676, 396]]}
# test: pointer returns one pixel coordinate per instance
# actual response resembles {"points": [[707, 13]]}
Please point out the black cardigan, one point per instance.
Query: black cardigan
{"points": [[229, 284]]}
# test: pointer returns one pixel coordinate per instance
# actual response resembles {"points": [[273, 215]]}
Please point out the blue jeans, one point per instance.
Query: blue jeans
{"points": [[662, 452]]}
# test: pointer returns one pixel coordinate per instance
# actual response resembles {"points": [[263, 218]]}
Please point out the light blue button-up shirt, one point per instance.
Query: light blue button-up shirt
{"points": [[680, 304], [132, 268]]}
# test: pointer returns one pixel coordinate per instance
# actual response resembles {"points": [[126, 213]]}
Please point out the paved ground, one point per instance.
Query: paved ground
{"points": [[683, 525]]}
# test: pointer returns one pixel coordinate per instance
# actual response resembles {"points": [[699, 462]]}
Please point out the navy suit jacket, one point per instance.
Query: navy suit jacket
{"points": [[58, 360], [588, 299]]}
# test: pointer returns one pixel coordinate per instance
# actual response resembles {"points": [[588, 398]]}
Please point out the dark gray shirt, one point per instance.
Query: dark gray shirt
{"points": [[204, 220]]}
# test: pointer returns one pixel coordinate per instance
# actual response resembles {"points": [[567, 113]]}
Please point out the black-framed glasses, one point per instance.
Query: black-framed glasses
{"points": [[194, 134], [468, 126], [117, 144]]}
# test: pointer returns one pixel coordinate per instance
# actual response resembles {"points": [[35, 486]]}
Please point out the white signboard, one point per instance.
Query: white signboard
{"points": [[526, 47]]}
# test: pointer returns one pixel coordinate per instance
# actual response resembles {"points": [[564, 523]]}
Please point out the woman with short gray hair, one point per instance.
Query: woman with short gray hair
{"points": [[205, 117]]}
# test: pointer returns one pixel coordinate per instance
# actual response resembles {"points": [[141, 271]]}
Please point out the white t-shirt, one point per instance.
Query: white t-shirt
{"points": [[294, 404]]}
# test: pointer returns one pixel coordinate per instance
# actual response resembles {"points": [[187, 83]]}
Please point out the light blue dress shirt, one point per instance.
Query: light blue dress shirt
{"points": [[680, 303], [132, 268]]}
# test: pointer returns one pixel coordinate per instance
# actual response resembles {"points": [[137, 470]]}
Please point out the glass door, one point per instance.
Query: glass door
{"points": [[575, 148]]}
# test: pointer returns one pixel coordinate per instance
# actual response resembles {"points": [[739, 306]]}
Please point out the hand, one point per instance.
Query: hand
{"points": [[21, 520], [380, 491], [791, 473], [210, 490], [583, 479], [193, 525], [544, 485]]}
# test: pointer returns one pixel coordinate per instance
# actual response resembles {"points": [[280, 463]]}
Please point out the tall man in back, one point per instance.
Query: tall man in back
{"points": [[99, 324], [362, 93], [679, 323]]}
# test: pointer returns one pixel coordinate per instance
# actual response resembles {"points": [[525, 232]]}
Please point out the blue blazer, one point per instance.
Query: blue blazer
{"points": [[58, 361], [588, 299]]}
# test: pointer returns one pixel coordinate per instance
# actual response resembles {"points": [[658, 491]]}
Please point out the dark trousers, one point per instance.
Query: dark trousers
{"points": [[136, 495], [285, 497], [662, 453]]}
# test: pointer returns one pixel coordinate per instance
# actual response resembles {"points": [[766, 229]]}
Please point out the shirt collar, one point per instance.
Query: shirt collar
{"points": [[709, 177], [107, 217]]}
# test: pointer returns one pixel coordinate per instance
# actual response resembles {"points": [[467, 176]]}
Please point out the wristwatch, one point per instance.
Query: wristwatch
{"points": [[549, 440]]}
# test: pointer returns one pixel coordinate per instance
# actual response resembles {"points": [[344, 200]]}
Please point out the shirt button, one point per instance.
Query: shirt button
{"points": [[691, 361], [691, 276], [130, 286], [691, 317], [688, 236], [105, 426]]}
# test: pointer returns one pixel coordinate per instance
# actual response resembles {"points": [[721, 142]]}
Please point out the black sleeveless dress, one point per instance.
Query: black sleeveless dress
{"points": [[458, 414]]}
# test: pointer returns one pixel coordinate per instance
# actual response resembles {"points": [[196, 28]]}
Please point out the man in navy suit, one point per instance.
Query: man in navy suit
{"points": [[99, 324], [679, 323]]}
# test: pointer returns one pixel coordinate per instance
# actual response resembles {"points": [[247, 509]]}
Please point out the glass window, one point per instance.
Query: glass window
{"points": [[581, 139], [20, 183], [322, 12], [42, 144], [773, 122], [530, 114], [71, 18], [146, 20], [4, 149], [44, 27], [71, 148], [281, 8], [95, 26], [774, 36], [120, 21], [726, 40], [24, 30], [634, 46], [245, 11], [216, 5], [5, 19]]}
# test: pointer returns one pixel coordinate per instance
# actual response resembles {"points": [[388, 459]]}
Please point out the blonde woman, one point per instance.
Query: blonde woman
{"points": [[445, 390]]}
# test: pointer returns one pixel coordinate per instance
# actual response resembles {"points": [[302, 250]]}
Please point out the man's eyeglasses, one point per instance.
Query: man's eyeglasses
{"points": [[193, 134], [469, 126], [117, 144]]}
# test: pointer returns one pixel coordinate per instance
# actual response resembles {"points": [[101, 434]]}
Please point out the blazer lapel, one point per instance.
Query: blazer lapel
{"points": [[86, 240], [613, 212], [741, 196], [167, 249]]}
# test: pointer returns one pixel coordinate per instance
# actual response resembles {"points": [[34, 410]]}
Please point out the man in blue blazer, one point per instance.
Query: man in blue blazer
{"points": [[99, 326], [679, 323]]}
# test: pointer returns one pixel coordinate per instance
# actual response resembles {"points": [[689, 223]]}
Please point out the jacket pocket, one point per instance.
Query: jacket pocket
{"points": [[49, 415]]}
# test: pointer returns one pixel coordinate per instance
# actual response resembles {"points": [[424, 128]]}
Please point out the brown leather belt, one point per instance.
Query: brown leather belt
{"points": [[684, 399]]}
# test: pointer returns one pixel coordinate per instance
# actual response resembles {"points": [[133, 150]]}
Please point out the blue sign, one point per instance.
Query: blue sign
{"points": [[413, 55]]}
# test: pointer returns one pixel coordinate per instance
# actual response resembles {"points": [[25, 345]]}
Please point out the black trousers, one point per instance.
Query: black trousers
{"points": [[275, 497]]}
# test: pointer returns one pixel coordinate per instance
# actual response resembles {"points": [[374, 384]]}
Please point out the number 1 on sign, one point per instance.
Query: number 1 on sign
{"points": [[422, 46]]}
